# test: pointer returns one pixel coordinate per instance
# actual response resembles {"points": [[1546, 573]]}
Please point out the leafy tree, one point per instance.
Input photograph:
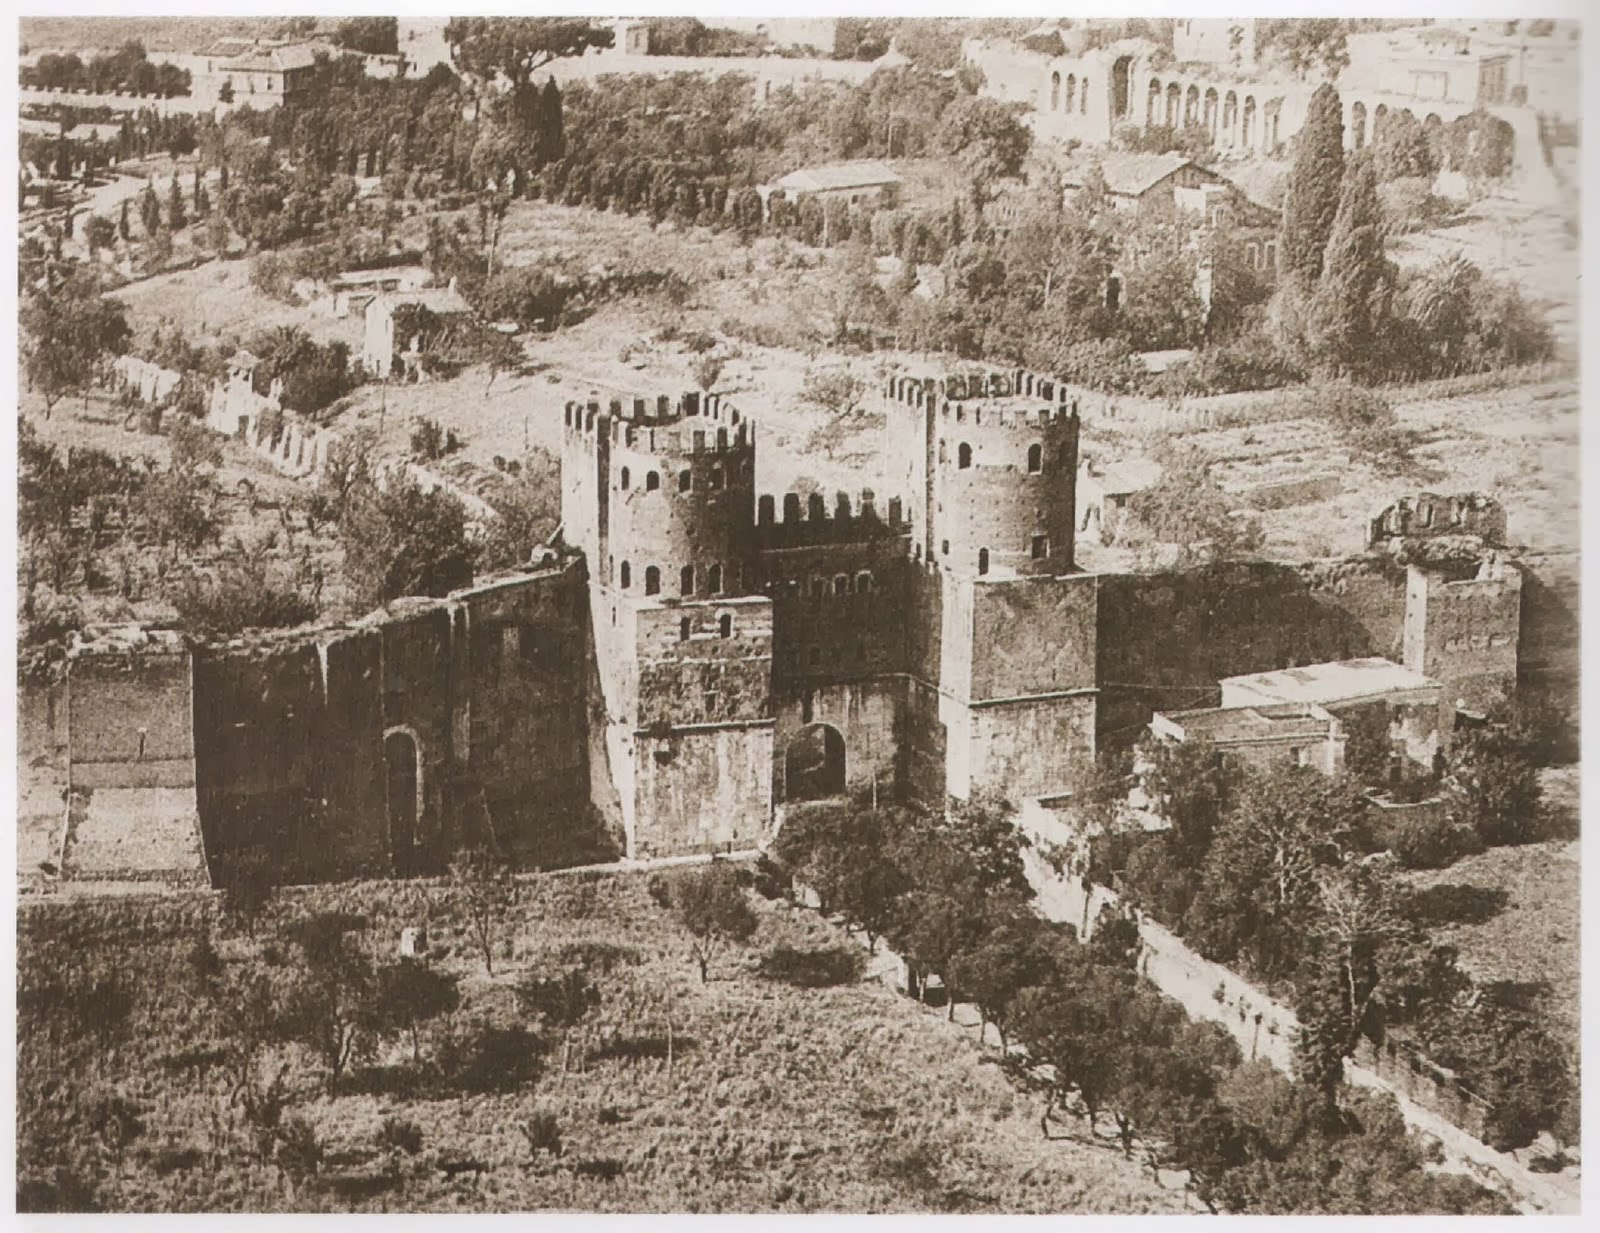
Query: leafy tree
{"points": [[1351, 303], [401, 540], [245, 592], [988, 141], [1304, 43], [373, 36], [408, 994], [487, 891], [1493, 786], [1259, 889], [713, 907], [1014, 954], [1193, 787], [328, 1006], [517, 47], [1187, 507], [1400, 148], [1312, 194], [69, 328], [527, 513], [99, 232]]}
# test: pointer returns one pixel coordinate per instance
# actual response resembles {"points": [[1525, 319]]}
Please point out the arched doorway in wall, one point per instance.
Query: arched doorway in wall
{"points": [[814, 764], [1055, 91], [1152, 104], [1248, 128], [402, 765], [1191, 106], [1174, 102], [1358, 125], [1209, 113], [1121, 88], [1230, 117]]}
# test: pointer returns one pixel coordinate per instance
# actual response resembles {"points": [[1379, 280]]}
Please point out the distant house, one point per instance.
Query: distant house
{"points": [[1281, 734], [382, 346], [1165, 185], [1104, 490], [1408, 709], [262, 74], [351, 291], [864, 180]]}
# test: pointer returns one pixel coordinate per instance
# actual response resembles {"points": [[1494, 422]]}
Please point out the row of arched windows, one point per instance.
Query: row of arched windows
{"points": [[1035, 458], [622, 576], [715, 480], [1073, 94]]}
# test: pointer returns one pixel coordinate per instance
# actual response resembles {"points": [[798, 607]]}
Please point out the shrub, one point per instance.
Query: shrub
{"points": [[493, 1059], [543, 1133], [659, 889], [299, 1149], [814, 969], [244, 593], [400, 1134], [606, 1169], [772, 881], [601, 957], [1429, 841]]}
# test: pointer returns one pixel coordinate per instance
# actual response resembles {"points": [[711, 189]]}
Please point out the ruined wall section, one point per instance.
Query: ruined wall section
{"points": [[1166, 639], [489, 686], [1430, 516], [130, 803], [1551, 624], [839, 582], [524, 709], [1464, 632]]}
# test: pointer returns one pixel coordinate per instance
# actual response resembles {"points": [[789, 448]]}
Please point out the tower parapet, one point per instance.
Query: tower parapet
{"points": [[661, 491], [811, 520], [1002, 475]]}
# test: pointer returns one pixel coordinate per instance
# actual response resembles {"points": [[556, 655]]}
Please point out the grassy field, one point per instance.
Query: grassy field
{"points": [[1536, 936], [777, 1099]]}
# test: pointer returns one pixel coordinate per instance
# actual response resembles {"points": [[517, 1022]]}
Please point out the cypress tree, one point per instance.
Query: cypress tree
{"points": [[1312, 196], [175, 213], [1351, 301], [123, 229], [552, 130]]}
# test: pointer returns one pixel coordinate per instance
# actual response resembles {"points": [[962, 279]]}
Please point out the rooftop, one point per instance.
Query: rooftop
{"points": [[1344, 680], [1128, 174], [389, 274], [1233, 725], [863, 173]]}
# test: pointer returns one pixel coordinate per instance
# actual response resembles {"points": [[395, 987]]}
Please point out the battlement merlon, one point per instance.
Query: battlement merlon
{"points": [[808, 521], [1051, 398], [694, 423]]}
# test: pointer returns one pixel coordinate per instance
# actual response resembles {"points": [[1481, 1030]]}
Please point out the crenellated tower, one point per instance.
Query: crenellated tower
{"points": [[991, 474], [659, 493]]}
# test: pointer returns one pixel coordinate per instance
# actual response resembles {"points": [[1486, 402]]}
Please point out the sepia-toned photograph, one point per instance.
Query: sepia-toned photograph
{"points": [[797, 614]]}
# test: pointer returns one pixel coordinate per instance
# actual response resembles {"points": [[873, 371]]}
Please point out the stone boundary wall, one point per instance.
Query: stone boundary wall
{"points": [[1430, 1100]]}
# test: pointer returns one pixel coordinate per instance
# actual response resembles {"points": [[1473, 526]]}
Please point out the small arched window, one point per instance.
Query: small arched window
{"points": [[819, 588], [1035, 459], [625, 479], [983, 560], [863, 583], [841, 584], [683, 630], [725, 626], [624, 576], [685, 481], [944, 547], [686, 580], [714, 580], [652, 481], [963, 456], [714, 480], [652, 580]]}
